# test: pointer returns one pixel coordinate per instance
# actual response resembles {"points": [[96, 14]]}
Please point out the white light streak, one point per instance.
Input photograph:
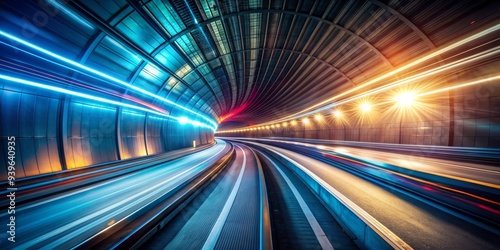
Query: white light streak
{"points": [[101, 74], [99, 99]]}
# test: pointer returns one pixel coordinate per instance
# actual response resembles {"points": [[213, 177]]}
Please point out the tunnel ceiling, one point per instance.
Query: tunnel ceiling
{"points": [[248, 62]]}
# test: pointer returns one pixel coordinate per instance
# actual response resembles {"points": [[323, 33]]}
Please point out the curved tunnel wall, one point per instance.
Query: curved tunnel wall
{"points": [[87, 135], [465, 117], [265, 59], [54, 131]]}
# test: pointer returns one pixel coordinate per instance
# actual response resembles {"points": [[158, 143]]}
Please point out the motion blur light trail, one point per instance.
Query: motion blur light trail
{"points": [[70, 13], [419, 76], [437, 185], [54, 78], [182, 120], [485, 80], [99, 73], [440, 69], [449, 66], [407, 66]]}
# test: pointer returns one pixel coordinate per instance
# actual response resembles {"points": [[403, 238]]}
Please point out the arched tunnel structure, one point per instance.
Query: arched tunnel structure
{"points": [[88, 84]]}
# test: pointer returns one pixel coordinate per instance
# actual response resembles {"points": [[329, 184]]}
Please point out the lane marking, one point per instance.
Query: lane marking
{"points": [[318, 231], [386, 234], [135, 174], [262, 206], [424, 158], [115, 209], [219, 224]]}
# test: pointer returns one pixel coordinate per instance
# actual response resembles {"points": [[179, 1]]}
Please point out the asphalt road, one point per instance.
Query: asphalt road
{"points": [[418, 223], [63, 221], [486, 175], [225, 215]]}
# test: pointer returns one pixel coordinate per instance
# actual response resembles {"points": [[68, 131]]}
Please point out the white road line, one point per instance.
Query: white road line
{"points": [[386, 234], [263, 196], [318, 231], [219, 224], [86, 223], [93, 186]]}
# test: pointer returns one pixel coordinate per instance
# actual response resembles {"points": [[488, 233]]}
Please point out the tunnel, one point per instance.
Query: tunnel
{"points": [[250, 124]]}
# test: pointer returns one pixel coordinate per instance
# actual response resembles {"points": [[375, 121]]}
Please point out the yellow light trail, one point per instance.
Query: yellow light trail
{"points": [[428, 73], [409, 79], [497, 77], [460, 85], [405, 67], [437, 185], [338, 113]]}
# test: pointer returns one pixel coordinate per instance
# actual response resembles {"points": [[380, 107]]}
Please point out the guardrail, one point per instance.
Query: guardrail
{"points": [[470, 201], [369, 233], [467, 153]]}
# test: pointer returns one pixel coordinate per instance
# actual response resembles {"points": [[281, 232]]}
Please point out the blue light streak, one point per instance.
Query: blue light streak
{"points": [[199, 27], [100, 99], [184, 120], [95, 107], [101, 74], [191, 12], [70, 13]]}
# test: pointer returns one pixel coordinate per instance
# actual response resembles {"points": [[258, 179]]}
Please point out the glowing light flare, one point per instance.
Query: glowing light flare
{"points": [[305, 121], [183, 120], [293, 123], [365, 110], [404, 67], [365, 107], [318, 117], [339, 118], [337, 113], [406, 99], [285, 124]]}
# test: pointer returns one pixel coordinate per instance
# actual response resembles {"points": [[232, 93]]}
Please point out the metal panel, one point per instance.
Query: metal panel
{"points": [[132, 134], [89, 125]]}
